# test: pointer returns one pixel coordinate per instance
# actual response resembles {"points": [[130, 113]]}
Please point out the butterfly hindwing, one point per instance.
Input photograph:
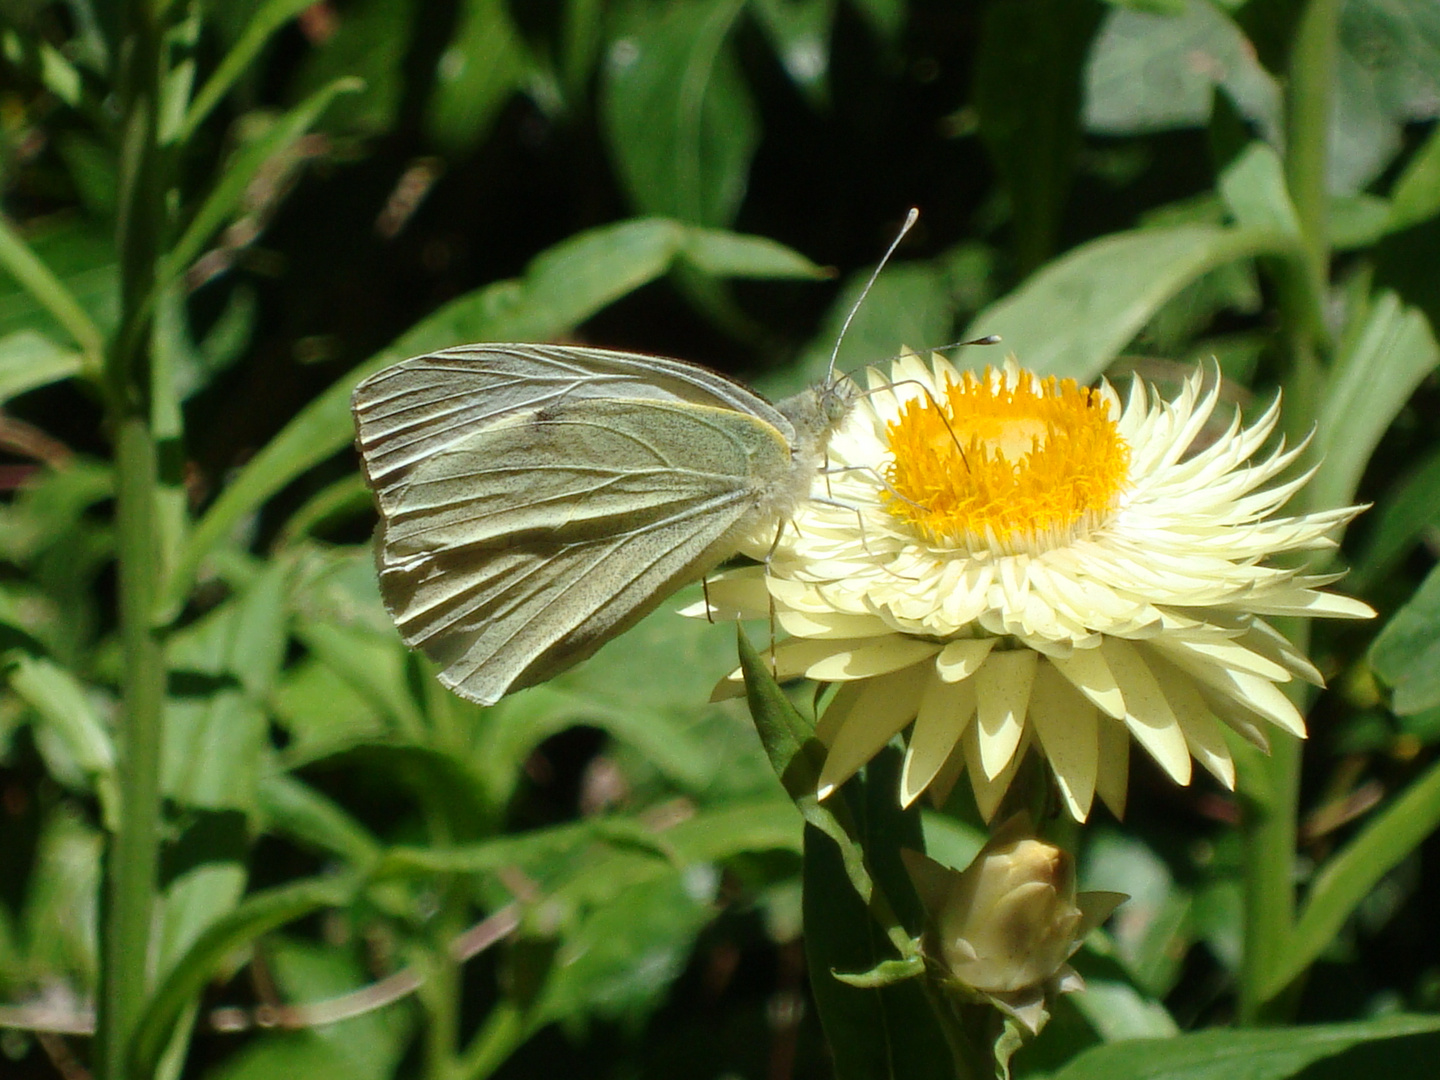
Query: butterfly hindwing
{"points": [[519, 549]]}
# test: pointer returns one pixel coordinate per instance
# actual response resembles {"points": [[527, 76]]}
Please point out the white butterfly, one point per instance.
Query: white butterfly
{"points": [[537, 500]]}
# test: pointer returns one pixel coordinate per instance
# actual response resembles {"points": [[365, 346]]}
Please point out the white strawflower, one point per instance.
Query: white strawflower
{"points": [[1013, 562]]}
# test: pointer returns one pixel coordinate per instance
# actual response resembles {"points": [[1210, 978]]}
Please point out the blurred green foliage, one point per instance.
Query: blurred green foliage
{"points": [[362, 876]]}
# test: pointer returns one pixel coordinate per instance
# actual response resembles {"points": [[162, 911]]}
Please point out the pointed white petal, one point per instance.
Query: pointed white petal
{"points": [[1113, 780], [961, 659], [1087, 671], [988, 791], [946, 709], [875, 656], [1065, 726], [1002, 691], [1147, 713], [884, 706]]}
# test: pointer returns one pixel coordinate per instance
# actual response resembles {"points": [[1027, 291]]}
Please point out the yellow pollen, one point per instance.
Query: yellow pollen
{"points": [[991, 466]]}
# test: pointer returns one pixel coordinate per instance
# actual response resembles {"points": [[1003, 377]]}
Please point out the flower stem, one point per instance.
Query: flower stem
{"points": [[131, 887], [1272, 790]]}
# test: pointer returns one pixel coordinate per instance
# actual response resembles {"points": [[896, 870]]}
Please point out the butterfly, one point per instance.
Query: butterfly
{"points": [[538, 500]]}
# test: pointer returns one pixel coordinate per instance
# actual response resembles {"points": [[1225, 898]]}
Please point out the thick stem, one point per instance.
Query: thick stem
{"points": [[131, 886], [133, 858], [440, 997], [1308, 107], [1273, 791]]}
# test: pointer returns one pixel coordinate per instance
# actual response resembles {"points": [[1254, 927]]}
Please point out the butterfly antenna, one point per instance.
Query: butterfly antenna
{"points": [[910, 219]]}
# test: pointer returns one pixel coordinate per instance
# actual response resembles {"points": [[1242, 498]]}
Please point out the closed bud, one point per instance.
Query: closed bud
{"points": [[1004, 927]]}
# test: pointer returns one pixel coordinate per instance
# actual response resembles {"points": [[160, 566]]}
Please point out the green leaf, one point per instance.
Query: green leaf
{"points": [[1232, 1054], [722, 253], [60, 915], [799, 32], [1407, 652], [29, 360], [92, 168], [374, 668], [1416, 194], [1113, 1006], [77, 255], [797, 758], [622, 956], [890, 1031], [443, 785], [1151, 72], [1385, 78], [708, 836], [266, 19], [561, 288], [1253, 187], [288, 1053], [1075, 315], [1350, 875], [371, 41], [65, 709], [363, 1047], [1359, 220], [700, 749], [257, 915], [343, 501], [230, 189], [31, 273], [1377, 371], [677, 116], [194, 901], [1154, 937], [483, 65], [886, 17], [296, 809], [1408, 512]]}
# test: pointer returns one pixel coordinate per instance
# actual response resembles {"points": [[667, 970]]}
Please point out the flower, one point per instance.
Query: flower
{"points": [[1013, 562], [1004, 927]]}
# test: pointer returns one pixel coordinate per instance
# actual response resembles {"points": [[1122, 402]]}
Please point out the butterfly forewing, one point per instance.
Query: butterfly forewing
{"points": [[411, 411]]}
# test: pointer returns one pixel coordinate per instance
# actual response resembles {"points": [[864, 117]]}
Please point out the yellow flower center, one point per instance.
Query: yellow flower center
{"points": [[1006, 464]]}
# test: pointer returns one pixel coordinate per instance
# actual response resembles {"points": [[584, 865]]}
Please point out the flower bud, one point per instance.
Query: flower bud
{"points": [[1004, 927], [1010, 921]]}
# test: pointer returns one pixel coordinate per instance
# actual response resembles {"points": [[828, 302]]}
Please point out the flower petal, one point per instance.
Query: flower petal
{"points": [[1087, 671], [961, 659], [988, 791], [1202, 730], [1147, 714], [830, 624], [1002, 691], [868, 658], [949, 774], [1065, 725], [1254, 693], [946, 709], [873, 718], [1112, 783]]}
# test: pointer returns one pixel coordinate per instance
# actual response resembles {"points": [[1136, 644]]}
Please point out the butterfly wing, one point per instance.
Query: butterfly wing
{"points": [[522, 548], [419, 407]]}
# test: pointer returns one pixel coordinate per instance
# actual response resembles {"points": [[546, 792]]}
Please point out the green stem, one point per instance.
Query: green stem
{"points": [[440, 997], [501, 1035], [133, 856], [1268, 832], [1312, 78], [1272, 791]]}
